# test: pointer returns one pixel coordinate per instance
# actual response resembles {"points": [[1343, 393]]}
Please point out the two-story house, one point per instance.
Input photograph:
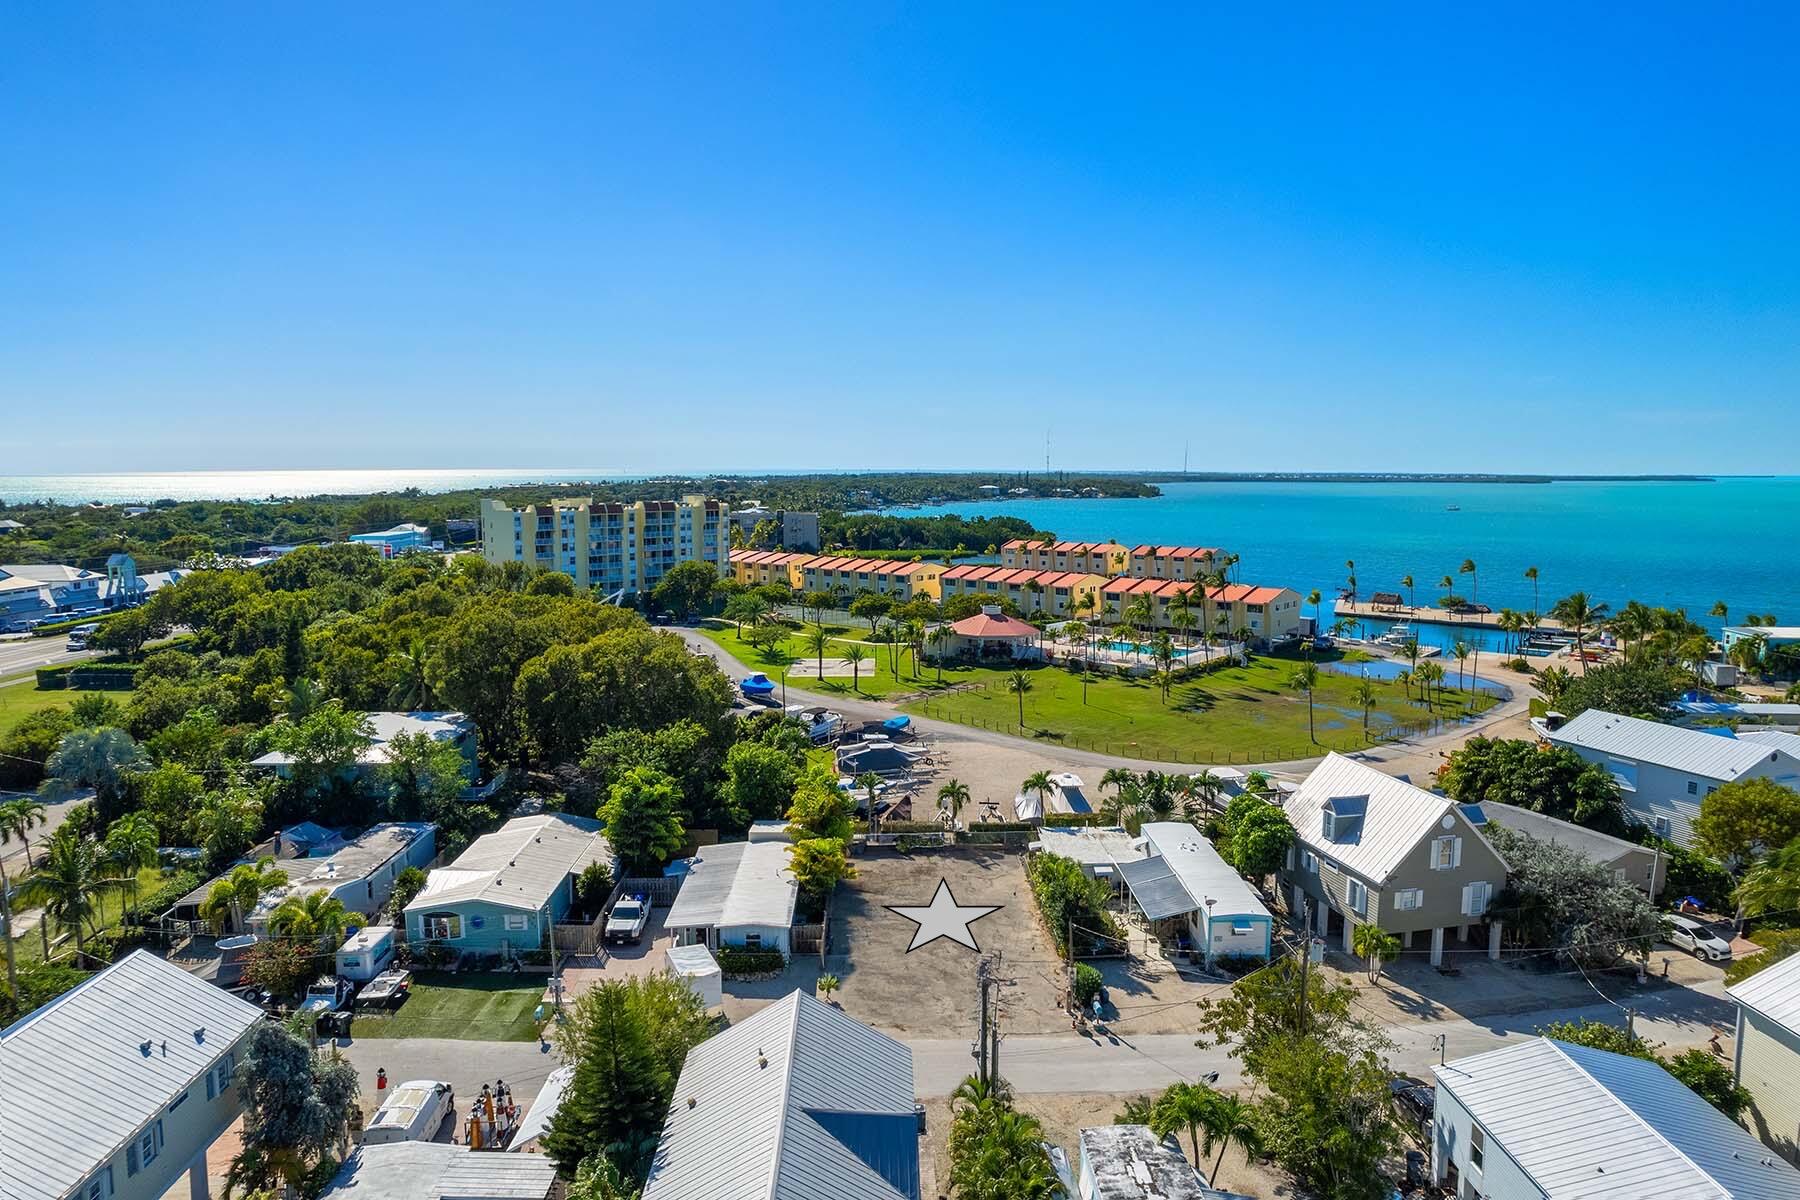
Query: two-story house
{"points": [[1373, 849], [1664, 771], [118, 1086]]}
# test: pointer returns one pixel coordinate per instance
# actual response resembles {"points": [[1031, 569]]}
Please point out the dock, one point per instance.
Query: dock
{"points": [[1363, 610]]}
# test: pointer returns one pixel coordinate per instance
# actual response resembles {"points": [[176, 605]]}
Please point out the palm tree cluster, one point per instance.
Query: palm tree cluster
{"points": [[996, 1153], [1137, 796], [76, 873], [1209, 1118]]}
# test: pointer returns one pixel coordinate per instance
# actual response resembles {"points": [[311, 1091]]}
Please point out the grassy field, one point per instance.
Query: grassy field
{"points": [[875, 678], [29, 946], [482, 1008], [21, 697], [1239, 714]]}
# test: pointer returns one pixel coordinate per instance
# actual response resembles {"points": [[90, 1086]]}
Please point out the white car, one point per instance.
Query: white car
{"points": [[1697, 938]]}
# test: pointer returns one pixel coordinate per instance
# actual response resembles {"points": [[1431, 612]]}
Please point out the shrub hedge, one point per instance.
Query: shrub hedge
{"points": [[112, 676], [736, 962]]}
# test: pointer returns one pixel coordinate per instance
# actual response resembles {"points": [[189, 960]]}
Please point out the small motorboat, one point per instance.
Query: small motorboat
{"points": [[757, 687]]}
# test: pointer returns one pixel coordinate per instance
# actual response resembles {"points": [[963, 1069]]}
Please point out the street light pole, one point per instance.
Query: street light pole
{"points": [[1209, 934]]}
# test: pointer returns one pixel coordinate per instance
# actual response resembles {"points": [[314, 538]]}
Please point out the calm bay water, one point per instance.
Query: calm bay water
{"points": [[1685, 545]]}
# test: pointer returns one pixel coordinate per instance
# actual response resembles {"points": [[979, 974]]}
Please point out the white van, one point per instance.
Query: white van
{"points": [[414, 1113]]}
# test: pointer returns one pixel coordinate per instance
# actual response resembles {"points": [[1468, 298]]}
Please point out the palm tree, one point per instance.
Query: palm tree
{"points": [[1448, 584], [1163, 650], [1154, 794], [951, 798], [1118, 779], [940, 638], [1233, 1120], [1461, 652], [1304, 679], [1433, 676], [1411, 648], [1376, 945], [1577, 614], [1186, 1106], [69, 883], [237, 893], [101, 759], [1406, 581], [317, 917], [1018, 683], [1719, 610], [1181, 611], [1405, 680], [817, 639], [855, 656], [1537, 604], [1468, 568], [1041, 783], [1350, 577], [1206, 790], [17, 817], [1366, 696], [130, 846], [1772, 885], [412, 692], [1313, 598]]}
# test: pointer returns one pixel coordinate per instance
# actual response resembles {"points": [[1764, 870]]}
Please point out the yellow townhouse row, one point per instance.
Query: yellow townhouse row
{"points": [[1112, 560], [828, 573], [1268, 614]]}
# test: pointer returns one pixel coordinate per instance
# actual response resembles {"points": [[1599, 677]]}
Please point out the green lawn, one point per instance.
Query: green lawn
{"points": [[21, 697], [1239, 714], [481, 1008], [29, 946], [875, 678]]}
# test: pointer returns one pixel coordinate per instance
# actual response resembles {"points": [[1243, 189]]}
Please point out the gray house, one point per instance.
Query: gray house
{"points": [[799, 1102], [1768, 1050], [1641, 866], [1664, 771], [120, 1084], [1370, 848]]}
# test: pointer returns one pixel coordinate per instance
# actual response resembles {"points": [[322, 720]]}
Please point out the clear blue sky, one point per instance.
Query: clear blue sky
{"points": [[726, 236]]}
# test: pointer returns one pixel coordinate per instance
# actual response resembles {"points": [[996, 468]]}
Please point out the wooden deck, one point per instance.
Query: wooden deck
{"points": [[1428, 615]]}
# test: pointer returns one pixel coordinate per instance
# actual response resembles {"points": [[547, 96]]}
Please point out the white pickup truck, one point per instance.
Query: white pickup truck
{"points": [[628, 918]]}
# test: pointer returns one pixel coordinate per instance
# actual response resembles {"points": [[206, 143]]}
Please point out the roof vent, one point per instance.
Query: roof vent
{"points": [[200, 1036], [144, 1049], [692, 1102]]}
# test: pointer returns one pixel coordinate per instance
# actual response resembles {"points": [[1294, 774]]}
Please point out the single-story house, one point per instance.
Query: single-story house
{"points": [[799, 1102], [1097, 850], [1770, 636], [361, 872], [384, 727], [119, 1085], [503, 893], [1129, 1162], [1640, 865], [1665, 771], [439, 1171], [1370, 848], [990, 633], [1546, 1120], [1768, 1049], [739, 894], [528, 1137]]}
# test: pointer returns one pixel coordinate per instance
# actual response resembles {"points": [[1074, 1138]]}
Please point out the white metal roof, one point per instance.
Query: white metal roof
{"points": [[1201, 871], [1396, 816], [1774, 739], [1774, 992], [1590, 843], [1704, 754], [438, 1171], [358, 858], [86, 1071], [1600, 1126], [536, 1120], [755, 1109], [384, 727], [519, 865], [734, 884], [1090, 846], [691, 961]]}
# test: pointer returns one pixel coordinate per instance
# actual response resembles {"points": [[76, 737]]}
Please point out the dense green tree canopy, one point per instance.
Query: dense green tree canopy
{"points": [[1556, 782]]}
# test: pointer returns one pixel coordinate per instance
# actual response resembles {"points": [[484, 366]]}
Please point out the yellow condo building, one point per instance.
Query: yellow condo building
{"points": [[903, 581], [614, 548]]}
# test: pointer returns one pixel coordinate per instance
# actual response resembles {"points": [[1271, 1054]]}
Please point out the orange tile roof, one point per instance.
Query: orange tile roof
{"points": [[993, 625], [1175, 551]]}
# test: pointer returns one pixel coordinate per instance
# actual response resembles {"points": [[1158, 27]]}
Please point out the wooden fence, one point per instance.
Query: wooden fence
{"points": [[661, 889]]}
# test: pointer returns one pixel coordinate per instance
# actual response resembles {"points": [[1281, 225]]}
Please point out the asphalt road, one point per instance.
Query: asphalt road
{"points": [[20, 656], [1068, 1063]]}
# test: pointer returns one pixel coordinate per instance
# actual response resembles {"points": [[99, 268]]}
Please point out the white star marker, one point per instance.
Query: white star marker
{"points": [[943, 918]]}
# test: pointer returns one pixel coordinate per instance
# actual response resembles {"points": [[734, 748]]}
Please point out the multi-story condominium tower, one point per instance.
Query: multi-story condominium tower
{"points": [[615, 548]]}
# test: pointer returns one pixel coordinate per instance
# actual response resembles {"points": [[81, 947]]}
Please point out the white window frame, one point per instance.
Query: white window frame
{"points": [[1356, 895], [1476, 897], [1446, 853], [98, 1186], [515, 922], [1477, 1146], [1409, 899], [437, 927], [753, 941], [1309, 862]]}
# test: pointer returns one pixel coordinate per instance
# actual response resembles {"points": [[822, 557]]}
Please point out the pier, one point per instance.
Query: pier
{"points": [[1363, 610]]}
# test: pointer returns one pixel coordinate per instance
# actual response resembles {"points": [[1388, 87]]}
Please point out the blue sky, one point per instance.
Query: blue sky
{"points": [[664, 237]]}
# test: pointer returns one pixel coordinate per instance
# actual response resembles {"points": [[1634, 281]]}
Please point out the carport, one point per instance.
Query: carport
{"points": [[1156, 890]]}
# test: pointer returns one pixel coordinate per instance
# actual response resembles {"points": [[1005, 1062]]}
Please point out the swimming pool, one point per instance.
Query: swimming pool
{"points": [[1141, 648], [1389, 669]]}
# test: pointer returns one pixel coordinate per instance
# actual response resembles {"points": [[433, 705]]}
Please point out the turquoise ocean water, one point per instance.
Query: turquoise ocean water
{"points": [[1684, 545]]}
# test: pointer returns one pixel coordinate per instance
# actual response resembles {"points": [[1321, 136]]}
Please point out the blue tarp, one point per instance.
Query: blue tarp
{"points": [[756, 685], [896, 723]]}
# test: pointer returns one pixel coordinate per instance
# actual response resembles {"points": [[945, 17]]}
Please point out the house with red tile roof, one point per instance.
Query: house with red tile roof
{"points": [[990, 633], [1173, 562], [1093, 558], [1270, 615], [887, 577]]}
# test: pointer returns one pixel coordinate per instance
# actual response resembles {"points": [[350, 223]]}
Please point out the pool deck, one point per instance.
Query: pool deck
{"points": [[1429, 615]]}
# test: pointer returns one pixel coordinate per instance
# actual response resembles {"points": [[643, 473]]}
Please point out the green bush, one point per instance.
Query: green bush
{"points": [[1775, 949], [735, 962], [1087, 984], [109, 676], [1073, 906], [150, 906], [39, 983]]}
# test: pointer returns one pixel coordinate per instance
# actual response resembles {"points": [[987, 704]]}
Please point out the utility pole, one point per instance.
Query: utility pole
{"points": [[1631, 1026], [994, 1034], [981, 1042], [1305, 954]]}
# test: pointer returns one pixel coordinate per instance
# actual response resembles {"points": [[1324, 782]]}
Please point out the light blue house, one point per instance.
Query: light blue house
{"points": [[1181, 878], [503, 893], [395, 541]]}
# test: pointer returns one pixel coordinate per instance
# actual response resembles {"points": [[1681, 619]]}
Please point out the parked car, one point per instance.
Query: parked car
{"points": [[78, 637], [629, 917], [1414, 1097], [1697, 938], [328, 993]]}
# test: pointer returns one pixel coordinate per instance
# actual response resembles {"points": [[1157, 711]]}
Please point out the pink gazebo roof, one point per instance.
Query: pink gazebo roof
{"points": [[997, 626]]}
